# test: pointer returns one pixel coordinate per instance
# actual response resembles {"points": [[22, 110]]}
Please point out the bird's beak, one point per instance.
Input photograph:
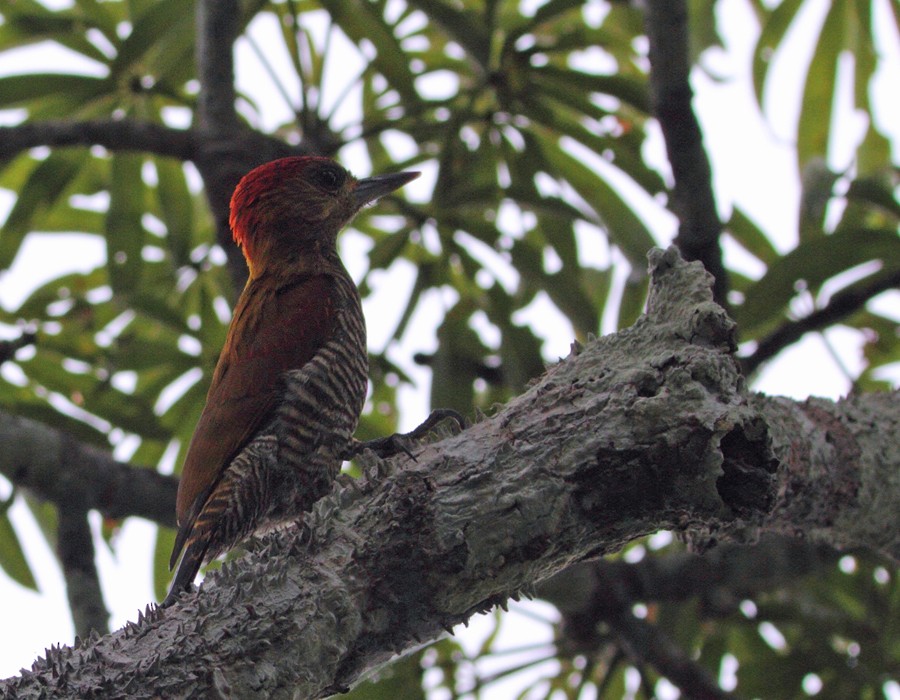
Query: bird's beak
{"points": [[371, 188]]}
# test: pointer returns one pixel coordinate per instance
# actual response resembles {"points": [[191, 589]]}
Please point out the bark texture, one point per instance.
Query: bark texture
{"points": [[646, 429]]}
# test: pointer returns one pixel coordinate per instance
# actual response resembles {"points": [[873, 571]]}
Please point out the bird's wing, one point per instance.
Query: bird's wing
{"points": [[274, 330]]}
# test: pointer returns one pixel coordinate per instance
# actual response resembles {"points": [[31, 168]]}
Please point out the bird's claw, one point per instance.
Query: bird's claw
{"points": [[383, 447], [394, 444]]}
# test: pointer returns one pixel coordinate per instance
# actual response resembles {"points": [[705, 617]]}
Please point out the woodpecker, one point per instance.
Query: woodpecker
{"points": [[291, 379]]}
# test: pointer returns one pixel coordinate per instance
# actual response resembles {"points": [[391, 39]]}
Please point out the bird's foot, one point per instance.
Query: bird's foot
{"points": [[394, 444]]}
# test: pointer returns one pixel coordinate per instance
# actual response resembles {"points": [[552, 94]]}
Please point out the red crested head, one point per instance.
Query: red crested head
{"points": [[297, 205]]}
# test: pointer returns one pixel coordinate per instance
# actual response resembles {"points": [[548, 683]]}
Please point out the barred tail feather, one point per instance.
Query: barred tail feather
{"points": [[191, 562]]}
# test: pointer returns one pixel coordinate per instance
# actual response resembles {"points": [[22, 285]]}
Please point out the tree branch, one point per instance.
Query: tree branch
{"points": [[692, 197], [78, 478], [217, 29], [841, 305], [114, 134], [647, 644], [55, 468], [228, 149], [645, 429], [75, 548], [721, 578], [593, 596]]}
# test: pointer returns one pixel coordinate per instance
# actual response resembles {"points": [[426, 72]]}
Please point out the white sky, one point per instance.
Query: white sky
{"points": [[753, 165]]}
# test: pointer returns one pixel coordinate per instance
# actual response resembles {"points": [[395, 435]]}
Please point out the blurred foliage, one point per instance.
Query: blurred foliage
{"points": [[835, 630], [533, 118]]}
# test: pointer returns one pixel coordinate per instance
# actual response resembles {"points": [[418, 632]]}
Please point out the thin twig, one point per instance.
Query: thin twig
{"points": [[840, 306]]}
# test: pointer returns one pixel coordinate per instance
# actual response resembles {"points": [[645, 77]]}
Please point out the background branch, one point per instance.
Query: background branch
{"points": [[50, 465], [114, 134], [218, 23], [666, 23], [841, 305], [75, 548], [646, 644], [227, 148]]}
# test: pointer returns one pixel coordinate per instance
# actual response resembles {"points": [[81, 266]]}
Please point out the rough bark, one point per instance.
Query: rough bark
{"points": [[649, 428]]}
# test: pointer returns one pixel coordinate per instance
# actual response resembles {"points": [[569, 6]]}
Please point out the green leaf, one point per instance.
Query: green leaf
{"points": [[160, 43], [362, 20], [165, 540], [177, 208], [750, 237], [462, 25], [27, 22], [814, 127], [12, 558], [25, 90], [456, 363], [624, 227], [703, 27], [124, 229], [817, 185], [877, 192], [41, 191], [634, 298], [769, 41], [576, 84]]}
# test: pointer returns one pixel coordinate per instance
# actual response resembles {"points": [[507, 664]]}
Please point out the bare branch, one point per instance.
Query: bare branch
{"points": [[75, 548], [644, 429], [840, 306], [692, 198], [217, 29], [55, 468], [646, 643], [725, 575], [114, 134], [593, 596], [228, 149]]}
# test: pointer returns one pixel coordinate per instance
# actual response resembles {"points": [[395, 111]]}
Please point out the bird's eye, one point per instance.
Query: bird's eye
{"points": [[330, 178]]}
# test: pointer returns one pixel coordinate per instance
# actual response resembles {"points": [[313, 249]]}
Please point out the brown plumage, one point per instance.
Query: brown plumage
{"points": [[290, 383]]}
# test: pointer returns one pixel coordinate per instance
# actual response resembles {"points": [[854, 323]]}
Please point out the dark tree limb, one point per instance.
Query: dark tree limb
{"points": [[218, 26], [692, 197], [77, 478], [55, 468], [228, 149], [596, 596], [645, 429], [646, 644], [114, 134], [841, 305], [75, 548]]}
